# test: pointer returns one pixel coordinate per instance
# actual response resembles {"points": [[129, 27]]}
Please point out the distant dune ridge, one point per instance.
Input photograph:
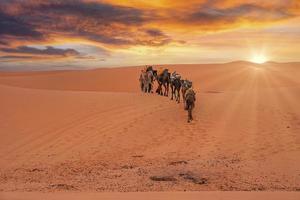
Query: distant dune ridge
{"points": [[95, 131]]}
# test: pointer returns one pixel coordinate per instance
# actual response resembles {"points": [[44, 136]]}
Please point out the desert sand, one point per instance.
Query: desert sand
{"points": [[94, 131], [210, 195]]}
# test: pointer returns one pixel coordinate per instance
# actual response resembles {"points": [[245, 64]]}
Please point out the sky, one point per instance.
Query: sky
{"points": [[79, 34]]}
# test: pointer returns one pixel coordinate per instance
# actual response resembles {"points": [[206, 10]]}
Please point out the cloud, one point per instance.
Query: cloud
{"points": [[3, 43], [27, 53], [153, 37], [13, 26], [103, 12], [155, 32], [49, 51], [15, 58], [93, 21], [249, 11], [210, 17], [116, 26]]}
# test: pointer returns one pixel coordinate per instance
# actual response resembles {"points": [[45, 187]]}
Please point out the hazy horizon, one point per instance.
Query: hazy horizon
{"points": [[74, 68]]}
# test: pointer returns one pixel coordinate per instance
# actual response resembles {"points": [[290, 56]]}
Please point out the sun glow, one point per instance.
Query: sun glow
{"points": [[259, 59]]}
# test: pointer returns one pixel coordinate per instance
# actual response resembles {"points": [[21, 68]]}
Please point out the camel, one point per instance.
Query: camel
{"points": [[163, 80], [185, 85], [148, 81], [190, 98], [175, 83]]}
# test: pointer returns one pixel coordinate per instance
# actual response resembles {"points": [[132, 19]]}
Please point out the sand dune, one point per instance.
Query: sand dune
{"points": [[95, 131]]}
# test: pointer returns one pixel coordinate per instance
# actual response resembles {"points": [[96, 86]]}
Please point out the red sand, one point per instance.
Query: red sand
{"points": [[153, 195], [94, 130]]}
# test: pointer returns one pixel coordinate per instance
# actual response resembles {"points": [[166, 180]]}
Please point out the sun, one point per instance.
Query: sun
{"points": [[259, 59]]}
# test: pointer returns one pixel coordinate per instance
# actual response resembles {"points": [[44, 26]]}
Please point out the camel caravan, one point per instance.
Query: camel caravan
{"points": [[166, 80]]}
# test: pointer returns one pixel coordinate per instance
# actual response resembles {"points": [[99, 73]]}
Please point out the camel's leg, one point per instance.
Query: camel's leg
{"points": [[148, 88], [190, 118], [174, 92], [159, 89], [156, 90], [183, 97], [188, 114], [151, 88], [165, 93]]}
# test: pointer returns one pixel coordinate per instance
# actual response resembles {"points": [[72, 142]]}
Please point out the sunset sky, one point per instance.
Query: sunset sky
{"points": [[65, 34]]}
